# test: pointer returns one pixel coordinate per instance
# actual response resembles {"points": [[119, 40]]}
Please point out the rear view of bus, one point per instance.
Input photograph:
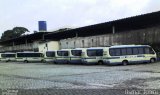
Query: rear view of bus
{"points": [[75, 57], [8, 57], [93, 55], [29, 57], [50, 56], [62, 56], [128, 54]]}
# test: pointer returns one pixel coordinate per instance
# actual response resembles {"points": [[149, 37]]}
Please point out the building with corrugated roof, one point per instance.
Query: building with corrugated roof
{"points": [[141, 29]]}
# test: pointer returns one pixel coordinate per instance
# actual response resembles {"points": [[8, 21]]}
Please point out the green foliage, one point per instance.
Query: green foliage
{"points": [[63, 29], [15, 32]]}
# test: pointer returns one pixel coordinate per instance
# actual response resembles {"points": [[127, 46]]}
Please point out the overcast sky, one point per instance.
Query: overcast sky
{"points": [[69, 13]]}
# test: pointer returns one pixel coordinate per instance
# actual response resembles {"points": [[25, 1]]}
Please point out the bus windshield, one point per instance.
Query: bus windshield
{"points": [[95, 52], [8, 55], [62, 53], [76, 52], [50, 54]]}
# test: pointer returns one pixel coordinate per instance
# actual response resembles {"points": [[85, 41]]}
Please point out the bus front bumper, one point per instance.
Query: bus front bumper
{"points": [[87, 62], [78, 61], [63, 61]]}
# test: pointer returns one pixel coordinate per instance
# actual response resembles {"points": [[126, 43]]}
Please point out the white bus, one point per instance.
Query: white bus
{"points": [[8, 57], [127, 54], [62, 56], [93, 55], [76, 55], [49, 56], [29, 57]]}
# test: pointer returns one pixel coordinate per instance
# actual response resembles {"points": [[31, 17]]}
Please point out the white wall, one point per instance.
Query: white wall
{"points": [[48, 46]]}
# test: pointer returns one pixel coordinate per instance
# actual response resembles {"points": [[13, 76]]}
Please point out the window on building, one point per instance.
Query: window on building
{"points": [[82, 43], [92, 42], [74, 44]]}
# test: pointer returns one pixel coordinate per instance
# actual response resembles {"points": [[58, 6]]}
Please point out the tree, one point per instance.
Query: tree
{"points": [[63, 29], [20, 31], [15, 32]]}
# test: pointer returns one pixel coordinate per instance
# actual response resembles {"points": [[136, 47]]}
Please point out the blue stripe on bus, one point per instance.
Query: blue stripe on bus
{"points": [[111, 58], [90, 58], [130, 62], [140, 56]]}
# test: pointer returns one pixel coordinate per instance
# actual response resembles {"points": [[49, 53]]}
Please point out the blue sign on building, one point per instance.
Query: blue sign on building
{"points": [[42, 25]]}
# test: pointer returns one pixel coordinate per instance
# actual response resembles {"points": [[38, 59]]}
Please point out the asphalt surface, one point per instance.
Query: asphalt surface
{"points": [[50, 79]]}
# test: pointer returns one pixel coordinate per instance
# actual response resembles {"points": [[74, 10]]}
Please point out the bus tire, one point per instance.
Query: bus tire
{"points": [[152, 60], [25, 61], [54, 62], [68, 62], [124, 62], [43, 61], [100, 62]]}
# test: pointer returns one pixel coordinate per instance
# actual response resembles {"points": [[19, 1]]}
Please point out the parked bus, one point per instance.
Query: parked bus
{"points": [[49, 56], [76, 54], [127, 54], [8, 57], [93, 55], [29, 57], [63, 56]]}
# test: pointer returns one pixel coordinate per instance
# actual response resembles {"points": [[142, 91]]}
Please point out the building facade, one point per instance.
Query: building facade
{"points": [[142, 29], [146, 36]]}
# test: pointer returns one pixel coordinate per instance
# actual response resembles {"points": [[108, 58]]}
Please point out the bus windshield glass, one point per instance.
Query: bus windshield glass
{"points": [[76, 52], [62, 53], [50, 54], [95, 52]]}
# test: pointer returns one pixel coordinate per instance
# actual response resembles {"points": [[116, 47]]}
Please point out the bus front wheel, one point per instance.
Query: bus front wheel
{"points": [[100, 62], [25, 61], [43, 61], [152, 60], [125, 62]]}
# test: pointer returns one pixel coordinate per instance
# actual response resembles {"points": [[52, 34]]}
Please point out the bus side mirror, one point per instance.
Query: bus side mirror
{"points": [[152, 52]]}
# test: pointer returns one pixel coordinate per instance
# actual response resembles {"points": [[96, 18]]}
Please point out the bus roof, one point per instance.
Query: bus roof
{"points": [[64, 50], [8, 53], [97, 47], [52, 51], [120, 46], [28, 52], [79, 49]]}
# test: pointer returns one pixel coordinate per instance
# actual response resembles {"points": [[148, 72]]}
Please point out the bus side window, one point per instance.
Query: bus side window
{"points": [[140, 51], [118, 52], [129, 51], [135, 51], [124, 51], [112, 52], [146, 51]]}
